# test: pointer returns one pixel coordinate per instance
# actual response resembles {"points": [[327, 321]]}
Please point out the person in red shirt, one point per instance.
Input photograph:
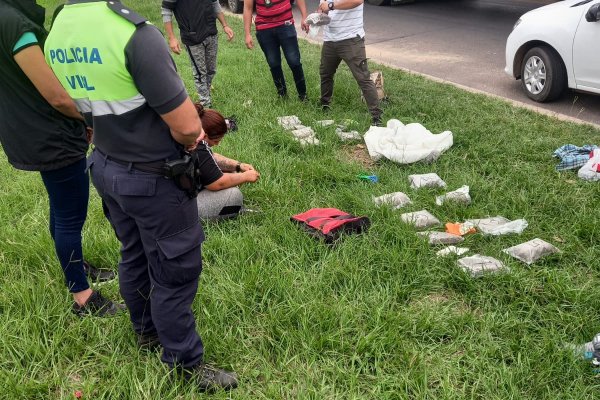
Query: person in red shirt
{"points": [[275, 31]]}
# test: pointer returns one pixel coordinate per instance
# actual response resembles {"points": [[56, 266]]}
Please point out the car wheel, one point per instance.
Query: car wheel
{"points": [[543, 75], [236, 6], [379, 2]]}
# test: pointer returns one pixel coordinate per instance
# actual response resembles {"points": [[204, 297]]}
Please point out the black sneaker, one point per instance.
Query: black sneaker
{"points": [[97, 306], [148, 341], [325, 107], [97, 274], [210, 379], [303, 98]]}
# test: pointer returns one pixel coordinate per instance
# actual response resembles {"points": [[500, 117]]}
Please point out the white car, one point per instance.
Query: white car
{"points": [[555, 47]]}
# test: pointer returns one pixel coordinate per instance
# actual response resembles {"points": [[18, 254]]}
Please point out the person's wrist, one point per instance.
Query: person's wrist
{"points": [[238, 167]]}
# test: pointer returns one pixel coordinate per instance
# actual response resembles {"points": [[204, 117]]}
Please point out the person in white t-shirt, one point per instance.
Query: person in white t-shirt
{"points": [[344, 39]]}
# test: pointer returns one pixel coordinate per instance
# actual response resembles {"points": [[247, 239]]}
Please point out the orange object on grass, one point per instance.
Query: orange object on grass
{"points": [[460, 229]]}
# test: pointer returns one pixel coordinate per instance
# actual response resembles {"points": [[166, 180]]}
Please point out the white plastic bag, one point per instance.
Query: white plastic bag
{"points": [[420, 219], [406, 144], [436, 238], [396, 200], [589, 171], [478, 265], [530, 252], [458, 196], [431, 180]]}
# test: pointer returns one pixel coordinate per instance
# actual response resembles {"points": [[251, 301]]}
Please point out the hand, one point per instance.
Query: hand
{"points": [[304, 25], [229, 32], [249, 43], [199, 139], [89, 133], [174, 45], [246, 167], [323, 7], [251, 175]]}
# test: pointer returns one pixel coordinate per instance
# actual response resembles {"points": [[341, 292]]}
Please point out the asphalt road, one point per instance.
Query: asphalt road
{"points": [[460, 41]]}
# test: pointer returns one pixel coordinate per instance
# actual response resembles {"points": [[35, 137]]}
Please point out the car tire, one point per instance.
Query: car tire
{"points": [[236, 6], [379, 2], [543, 75]]}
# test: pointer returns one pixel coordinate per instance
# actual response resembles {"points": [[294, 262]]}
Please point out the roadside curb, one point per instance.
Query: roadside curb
{"points": [[553, 114]]}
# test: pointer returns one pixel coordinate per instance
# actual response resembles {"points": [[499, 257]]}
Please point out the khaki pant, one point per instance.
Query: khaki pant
{"points": [[352, 51]]}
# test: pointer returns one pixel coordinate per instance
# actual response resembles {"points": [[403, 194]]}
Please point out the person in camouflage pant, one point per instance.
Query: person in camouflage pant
{"points": [[198, 29]]}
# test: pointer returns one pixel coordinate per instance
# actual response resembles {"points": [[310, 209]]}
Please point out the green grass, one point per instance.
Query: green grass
{"points": [[378, 316]]}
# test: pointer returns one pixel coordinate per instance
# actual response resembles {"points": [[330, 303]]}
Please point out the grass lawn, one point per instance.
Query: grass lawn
{"points": [[378, 316]]}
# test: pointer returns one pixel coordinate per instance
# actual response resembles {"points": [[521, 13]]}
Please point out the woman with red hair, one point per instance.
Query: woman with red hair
{"points": [[225, 203]]}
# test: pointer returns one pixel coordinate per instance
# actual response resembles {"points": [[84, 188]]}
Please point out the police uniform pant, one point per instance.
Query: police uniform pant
{"points": [[161, 237], [352, 52]]}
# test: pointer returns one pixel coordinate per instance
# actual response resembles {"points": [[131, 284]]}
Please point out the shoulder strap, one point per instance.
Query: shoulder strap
{"points": [[126, 13]]}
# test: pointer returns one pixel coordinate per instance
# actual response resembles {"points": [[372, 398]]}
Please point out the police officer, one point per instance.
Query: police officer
{"points": [[118, 69]]}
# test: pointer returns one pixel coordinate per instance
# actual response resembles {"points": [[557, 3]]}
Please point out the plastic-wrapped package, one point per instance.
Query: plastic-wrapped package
{"points": [[343, 135], [420, 219], [460, 229], [303, 133], [431, 180], [499, 225], [530, 252], [289, 122], [325, 122], [396, 200], [478, 265], [311, 140], [458, 196], [437, 238], [446, 251], [317, 19]]}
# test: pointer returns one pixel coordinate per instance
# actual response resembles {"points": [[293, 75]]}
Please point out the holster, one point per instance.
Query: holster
{"points": [[185, 173]]}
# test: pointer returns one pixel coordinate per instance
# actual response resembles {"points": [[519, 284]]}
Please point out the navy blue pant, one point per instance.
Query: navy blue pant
{"points": [[68, 190], [161, 260], [271, 41]]}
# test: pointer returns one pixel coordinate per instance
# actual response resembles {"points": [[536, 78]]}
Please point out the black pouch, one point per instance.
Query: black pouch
{"points": [[184, 174]]}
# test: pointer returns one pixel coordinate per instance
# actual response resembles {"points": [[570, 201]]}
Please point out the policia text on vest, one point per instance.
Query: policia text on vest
{"points": [[82, 55]]}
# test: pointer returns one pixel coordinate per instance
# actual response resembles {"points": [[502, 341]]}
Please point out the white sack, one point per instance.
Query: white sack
{"points": [[406, 144]]}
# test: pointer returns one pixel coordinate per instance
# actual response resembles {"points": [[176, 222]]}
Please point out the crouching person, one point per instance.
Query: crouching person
{"points": [[225, 200]]}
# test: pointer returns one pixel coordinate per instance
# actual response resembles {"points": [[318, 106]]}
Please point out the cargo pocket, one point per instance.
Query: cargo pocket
{"points": [[138, 185], [180, 257]]}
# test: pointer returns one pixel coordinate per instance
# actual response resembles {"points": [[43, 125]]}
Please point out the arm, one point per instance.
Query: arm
{"points": [[185, 125], [221, 17], [248, 6], [167, 15], [340, 5], [230, 165], [231, 180], [154, 73], [302, 7], [31, 61]]}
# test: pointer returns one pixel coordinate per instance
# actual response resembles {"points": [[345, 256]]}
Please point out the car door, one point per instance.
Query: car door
{"points": [[586, 54]]}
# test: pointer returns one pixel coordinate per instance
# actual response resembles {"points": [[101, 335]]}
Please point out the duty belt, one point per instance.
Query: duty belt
{"points": [[155, 167]]}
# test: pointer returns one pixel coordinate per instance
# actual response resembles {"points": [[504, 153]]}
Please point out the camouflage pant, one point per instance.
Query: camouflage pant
{"points": [[204, 66]]}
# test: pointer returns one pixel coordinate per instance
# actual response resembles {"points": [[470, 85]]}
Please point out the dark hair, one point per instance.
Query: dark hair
{"points": [[213, 122]]}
